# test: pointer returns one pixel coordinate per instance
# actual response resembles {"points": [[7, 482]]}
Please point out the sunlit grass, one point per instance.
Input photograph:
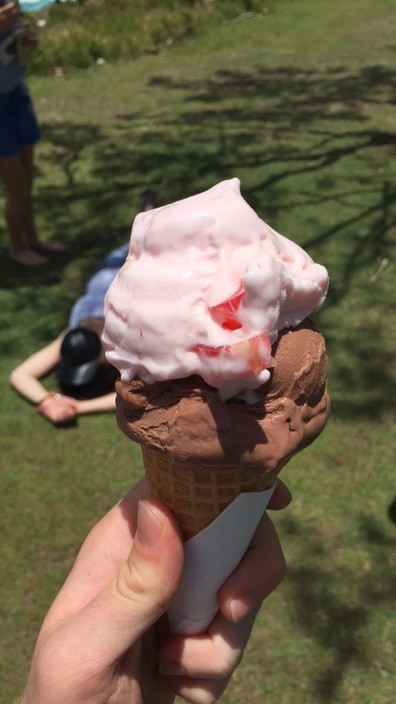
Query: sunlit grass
{"points": [[308, 127]]}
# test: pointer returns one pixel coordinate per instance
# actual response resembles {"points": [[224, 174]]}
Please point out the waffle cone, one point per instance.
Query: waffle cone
{"points": [[194, 493]]}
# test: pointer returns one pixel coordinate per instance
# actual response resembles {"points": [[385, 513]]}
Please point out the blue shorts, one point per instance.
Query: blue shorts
{"points": [[18, 124]]}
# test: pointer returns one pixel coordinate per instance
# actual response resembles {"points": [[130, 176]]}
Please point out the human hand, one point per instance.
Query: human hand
{"points": [[8, 16], [58, 408], [103, 639]]}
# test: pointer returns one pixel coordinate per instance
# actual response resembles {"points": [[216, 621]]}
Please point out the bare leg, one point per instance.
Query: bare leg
{"points": [[26, 154], [18, 210]]}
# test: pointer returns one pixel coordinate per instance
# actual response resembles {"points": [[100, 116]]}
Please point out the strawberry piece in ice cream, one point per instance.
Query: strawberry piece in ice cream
{"points": [[226, 313]]}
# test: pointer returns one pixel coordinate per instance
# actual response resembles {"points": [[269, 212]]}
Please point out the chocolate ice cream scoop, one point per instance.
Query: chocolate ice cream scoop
{"points": [[186, 418]]}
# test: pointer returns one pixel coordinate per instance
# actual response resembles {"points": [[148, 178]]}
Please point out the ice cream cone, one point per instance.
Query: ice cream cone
{"points": [[196, 494], [222, 374]]}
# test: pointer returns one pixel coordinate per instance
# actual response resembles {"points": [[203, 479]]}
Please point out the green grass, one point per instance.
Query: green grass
{"points": [[299, 104], [79, 35]]}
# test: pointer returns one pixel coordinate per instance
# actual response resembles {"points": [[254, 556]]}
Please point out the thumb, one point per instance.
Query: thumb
{"points": [[150, 576], [116, 618]]}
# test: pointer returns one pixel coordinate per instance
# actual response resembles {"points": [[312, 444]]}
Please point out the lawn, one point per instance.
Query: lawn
{"points": [[298, 102]]}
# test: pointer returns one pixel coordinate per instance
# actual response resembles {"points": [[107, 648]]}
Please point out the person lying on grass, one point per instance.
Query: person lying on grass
{"points": [[86, 379]]}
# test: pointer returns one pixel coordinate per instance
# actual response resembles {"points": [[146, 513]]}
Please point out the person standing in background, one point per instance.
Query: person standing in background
{"points": [[19, 132]]}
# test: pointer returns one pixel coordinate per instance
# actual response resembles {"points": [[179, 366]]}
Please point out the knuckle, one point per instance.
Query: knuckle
{"points": [[131, 581], [203, 696], [136, 584], [227, 663], [213, 692]]}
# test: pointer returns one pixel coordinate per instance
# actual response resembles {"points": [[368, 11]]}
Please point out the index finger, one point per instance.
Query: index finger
{"points": [[259, 572]]}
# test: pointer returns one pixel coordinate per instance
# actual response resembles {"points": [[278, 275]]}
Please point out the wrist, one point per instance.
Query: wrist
{"points": [[50, 395]]}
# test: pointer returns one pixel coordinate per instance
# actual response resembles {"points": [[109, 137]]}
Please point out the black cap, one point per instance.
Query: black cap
{"points": [[80, 352]]}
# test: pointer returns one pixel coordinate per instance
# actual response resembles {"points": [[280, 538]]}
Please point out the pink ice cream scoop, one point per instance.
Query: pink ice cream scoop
{"points": [[206, 288]]}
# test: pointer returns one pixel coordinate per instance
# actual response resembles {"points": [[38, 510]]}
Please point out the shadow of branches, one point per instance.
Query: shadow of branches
{"points": [[335, 603], [306, 149]]}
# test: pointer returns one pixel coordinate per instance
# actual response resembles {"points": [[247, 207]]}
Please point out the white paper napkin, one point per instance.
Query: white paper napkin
{"points": [[210, 557]]}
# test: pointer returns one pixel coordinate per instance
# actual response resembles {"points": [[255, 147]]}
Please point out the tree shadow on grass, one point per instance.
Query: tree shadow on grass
{"points": [[334, 605], [305, 139]]}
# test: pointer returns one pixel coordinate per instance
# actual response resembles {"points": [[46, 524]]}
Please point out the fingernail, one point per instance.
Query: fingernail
{"points": [[240, 607], [149, 525], [171, 667]]}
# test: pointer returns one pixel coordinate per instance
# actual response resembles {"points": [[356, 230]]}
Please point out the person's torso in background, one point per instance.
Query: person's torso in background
{"points": [[11, 73], [91, 304]]}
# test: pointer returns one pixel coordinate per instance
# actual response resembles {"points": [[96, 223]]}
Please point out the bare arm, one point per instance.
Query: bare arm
{"points": [[100, 404], [57, 408], [26, 380], [26, 377]]}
